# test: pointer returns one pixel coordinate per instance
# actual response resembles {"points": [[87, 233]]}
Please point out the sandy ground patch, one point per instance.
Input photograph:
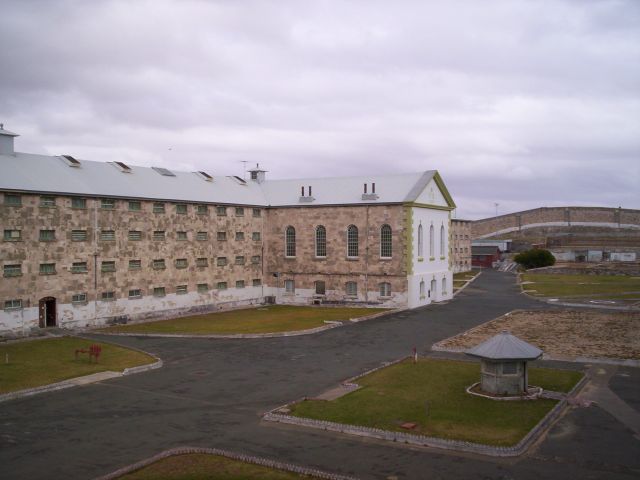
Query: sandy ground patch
{"points": [[571, 333]]}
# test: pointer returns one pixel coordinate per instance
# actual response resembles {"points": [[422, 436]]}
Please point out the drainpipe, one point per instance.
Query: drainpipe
{"points": [[366, 259], [95, 261]]}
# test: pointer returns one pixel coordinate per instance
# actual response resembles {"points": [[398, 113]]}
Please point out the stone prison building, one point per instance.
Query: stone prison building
{"points": [[91, 243]]}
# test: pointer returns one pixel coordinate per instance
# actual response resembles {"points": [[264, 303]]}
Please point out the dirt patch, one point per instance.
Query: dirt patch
{"points": [[571, 333]]}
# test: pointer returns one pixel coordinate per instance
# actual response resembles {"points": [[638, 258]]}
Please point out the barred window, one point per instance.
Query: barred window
{"points": [[181, 263], [181, 208], [107, 235], [108, 296], [159, 292], [289, 286], [181, 236], [239, 212], [13, 200], [158, 207], [351, 289], [47, 268], [239, 236], [385, 289], [385, 241], [181, 289], [79, 298], [290, 242], [201, 236], [222, 236], [221, 211], [202, 262], [47, 201], [79, 267], [352, 241], [431, 241], [135, 235], [221, 286], [135, 293], [107, 204], [159, 264], [203, 287], [255, 259], [47, 235], [13, 304], [256, 282], [221, 261], [80, 203], [159, 235], [255, 236], [14, 270], [442, 242], [202, 209], [135, 264], [321, 241], [239, 260], [320, 287], [420, 241], [108, 266], [135, 206], [257, 212], [240, 284], [12, 235]]}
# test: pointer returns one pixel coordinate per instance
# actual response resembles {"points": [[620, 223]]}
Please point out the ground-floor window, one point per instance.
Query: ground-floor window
{"points": [[433, 287], [320, 287], [289, 286], [351, 289], [385, 289], [422, 289]]}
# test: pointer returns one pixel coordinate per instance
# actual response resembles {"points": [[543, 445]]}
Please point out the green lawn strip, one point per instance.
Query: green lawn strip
{"points": [[278, 318], [42, 362], [432, 394], [554, 380], [551, 285], [463, 276], [204, 466]]}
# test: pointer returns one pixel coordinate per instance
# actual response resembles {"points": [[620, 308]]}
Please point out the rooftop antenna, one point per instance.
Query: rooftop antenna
{"points": [[496, 204]]}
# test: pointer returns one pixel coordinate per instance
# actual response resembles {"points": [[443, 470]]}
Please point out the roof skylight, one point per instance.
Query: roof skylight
{"points": [[164, 171]]}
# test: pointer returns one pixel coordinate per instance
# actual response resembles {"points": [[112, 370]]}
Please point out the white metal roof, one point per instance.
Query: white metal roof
{"points": [[52, 174], [505, 346]]}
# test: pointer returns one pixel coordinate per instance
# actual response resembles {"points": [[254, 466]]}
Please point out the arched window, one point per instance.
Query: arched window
{"points": [[444, 285], [421, 288], [385, 289], [433, 288], [321, 241], [385, 241], [420, 241], [442, 243], [290, 242], [431, 241], [352, 241]]}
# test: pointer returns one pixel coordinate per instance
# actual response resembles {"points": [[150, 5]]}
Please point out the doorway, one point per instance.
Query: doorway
{"points": [[47, 311]]}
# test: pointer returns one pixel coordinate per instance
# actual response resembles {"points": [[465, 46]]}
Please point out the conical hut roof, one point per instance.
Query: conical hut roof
{"points": [[505, 346]]}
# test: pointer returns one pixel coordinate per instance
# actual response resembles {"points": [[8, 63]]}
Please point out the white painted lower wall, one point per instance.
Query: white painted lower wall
{"points": [[439, 294], [306, 296]]}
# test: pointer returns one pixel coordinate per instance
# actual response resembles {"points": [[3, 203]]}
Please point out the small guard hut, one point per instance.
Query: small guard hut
{"points": [[504, 364]]}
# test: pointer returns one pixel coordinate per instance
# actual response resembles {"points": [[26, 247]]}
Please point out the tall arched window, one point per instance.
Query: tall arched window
{"points": [[385, 241], [420, 241], [422, 289], [352, 241], [433, 287], [290, 242], [442, 243], [431, 249], [444, 285], [321, 241]]}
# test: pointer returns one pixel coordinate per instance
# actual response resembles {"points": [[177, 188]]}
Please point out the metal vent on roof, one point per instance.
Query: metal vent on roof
{"points": [[123, 166], [164, 171], [72, 162], [204, 175]]}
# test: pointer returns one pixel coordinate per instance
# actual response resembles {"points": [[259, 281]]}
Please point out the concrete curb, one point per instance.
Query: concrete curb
{"points": [[434, 442], [312, 472], [85, 379], [294, 333], [467, 284]]}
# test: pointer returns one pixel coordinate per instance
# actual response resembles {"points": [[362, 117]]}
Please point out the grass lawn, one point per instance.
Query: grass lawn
{"points": [[203, 466], [41, 362], [464, 276], [601, 287], [432, 394], [277, 318]]}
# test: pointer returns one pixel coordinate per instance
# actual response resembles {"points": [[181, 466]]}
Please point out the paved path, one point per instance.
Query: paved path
{"points": [[211, 393]]}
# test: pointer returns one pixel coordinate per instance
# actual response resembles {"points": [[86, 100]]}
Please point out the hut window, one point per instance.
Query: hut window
{"points": [[509, 368], [489, 368]]}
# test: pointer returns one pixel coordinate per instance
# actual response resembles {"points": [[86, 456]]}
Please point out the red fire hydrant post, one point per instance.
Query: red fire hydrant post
{"points": [[415, 355]]}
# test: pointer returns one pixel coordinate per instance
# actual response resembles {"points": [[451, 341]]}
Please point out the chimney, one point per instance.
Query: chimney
{"points": [[6, 141], [257, 174]]}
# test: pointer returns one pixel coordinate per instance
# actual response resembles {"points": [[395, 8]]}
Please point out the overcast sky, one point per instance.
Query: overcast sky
{"points": [[520, 103]]}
